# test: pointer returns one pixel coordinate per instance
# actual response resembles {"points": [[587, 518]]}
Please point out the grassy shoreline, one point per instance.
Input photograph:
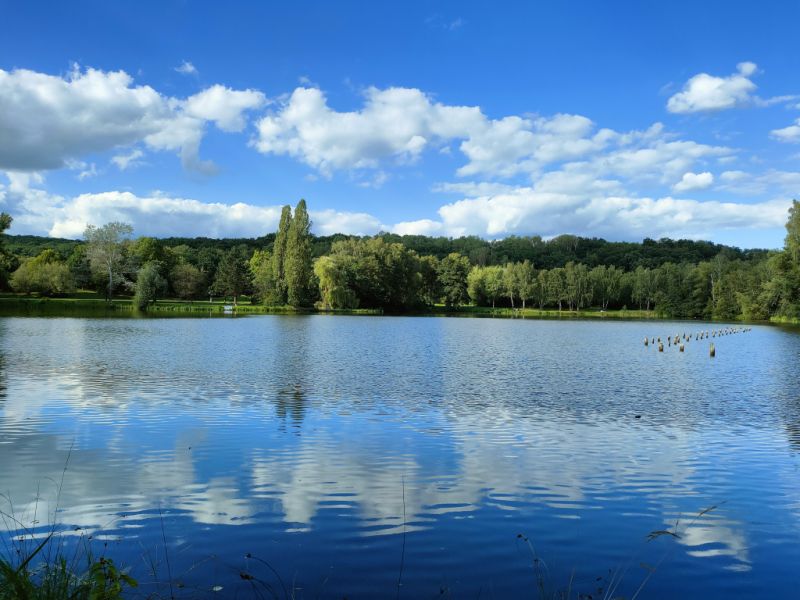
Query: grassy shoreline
{"points": [[18, 305], [785, 320], [90, 304]]}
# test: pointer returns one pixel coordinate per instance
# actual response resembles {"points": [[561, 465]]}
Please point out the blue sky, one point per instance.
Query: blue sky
{"points": [[615, 119]]}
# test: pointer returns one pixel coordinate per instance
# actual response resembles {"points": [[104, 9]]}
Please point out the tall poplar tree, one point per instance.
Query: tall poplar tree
{"points": [[8, 261], [793, 233], [298, 269], [279, 255]]}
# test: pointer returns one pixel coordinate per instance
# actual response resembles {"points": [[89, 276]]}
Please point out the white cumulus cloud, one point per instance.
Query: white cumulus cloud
{"points": [[186, 68], [511, 145], [47, 120], [395, 123], [705, 92], [400, 123], [694, 181], [650, 161], [224, 106], [788, 134]]}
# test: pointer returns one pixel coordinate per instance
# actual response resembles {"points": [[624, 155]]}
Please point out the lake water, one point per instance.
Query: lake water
{"points": [[331, 456]]}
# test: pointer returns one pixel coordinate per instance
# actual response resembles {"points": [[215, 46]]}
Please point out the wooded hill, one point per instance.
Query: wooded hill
{"points": [[545, 254]]}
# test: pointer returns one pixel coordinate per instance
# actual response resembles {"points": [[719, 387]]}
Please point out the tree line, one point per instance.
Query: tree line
{"points": [[680, 278], [545, 254]]}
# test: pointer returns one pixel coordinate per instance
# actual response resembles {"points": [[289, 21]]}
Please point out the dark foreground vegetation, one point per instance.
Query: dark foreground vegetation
{"points": [[388, 272]]}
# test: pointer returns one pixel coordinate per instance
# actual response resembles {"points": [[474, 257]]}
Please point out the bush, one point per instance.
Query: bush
{"points": [[45, 277]]}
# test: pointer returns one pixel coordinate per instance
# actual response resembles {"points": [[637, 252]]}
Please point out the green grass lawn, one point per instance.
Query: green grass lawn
{"points": [[92, 303], [595, 313]]}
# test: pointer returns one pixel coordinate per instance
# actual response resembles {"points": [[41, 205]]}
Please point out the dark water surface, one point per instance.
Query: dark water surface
{"points": [[348, 453]]}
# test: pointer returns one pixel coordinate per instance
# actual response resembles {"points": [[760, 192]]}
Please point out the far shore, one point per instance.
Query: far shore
{"points": [[91, 304]]}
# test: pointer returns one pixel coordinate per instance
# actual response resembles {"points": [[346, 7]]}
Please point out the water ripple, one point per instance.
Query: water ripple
{"points": [[323, 445]]}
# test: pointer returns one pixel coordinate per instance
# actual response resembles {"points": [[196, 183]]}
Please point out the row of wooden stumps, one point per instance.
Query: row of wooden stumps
{"points": [[679, 341]]}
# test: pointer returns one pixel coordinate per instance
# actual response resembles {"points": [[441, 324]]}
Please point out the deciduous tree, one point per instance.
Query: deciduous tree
{"points": [[262, 276], [233, 276], [187, 281], [45, 274], [8, 262], [106, 251], [453, 272]]}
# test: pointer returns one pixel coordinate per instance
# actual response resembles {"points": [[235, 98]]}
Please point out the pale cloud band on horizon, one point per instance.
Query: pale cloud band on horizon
{"points": [[513, 211]]}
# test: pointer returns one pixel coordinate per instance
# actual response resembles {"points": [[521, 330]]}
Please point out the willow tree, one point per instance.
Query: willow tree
{"points": [[334, 277], [149, 285], [298, 270], [105, 247]]}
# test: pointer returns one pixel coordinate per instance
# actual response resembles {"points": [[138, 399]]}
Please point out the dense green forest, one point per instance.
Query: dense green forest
{"points": [[674, 278], [549, 254]]}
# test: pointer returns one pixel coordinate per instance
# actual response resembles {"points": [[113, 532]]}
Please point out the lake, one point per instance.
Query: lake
{"points": [[333, 456]]}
